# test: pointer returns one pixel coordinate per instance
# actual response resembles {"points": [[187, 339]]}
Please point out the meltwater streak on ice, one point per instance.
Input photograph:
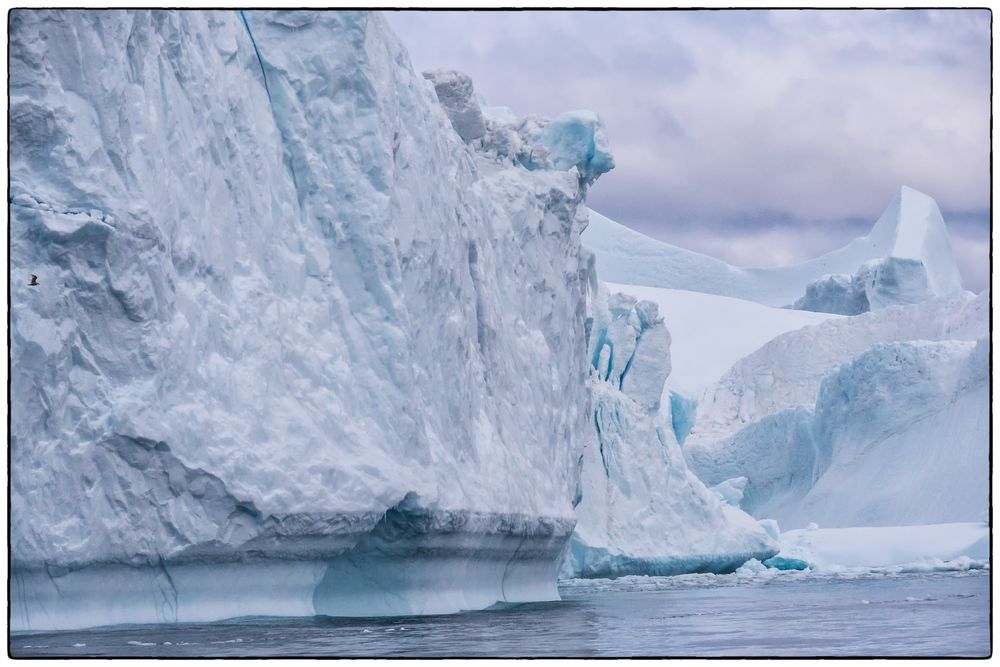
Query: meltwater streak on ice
{"points": [[286, 315]]}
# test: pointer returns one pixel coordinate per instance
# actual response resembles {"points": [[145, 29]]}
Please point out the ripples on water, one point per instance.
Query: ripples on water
{"points": [[695, 615]]}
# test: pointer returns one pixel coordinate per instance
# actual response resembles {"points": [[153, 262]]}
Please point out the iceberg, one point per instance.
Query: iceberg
{"points": [[290, 332], [641, 509], [456, 94], [890, 549], [786, 372], [910, 228], [891, 281], [898, 436], [711, 333]]}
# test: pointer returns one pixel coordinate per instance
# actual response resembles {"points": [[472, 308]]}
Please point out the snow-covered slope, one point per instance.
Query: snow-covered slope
{"points": [[642, 511], [710, 333], [289, 332], [911, 227]]}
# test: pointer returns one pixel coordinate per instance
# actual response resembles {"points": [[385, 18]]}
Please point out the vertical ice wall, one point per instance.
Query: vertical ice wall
{"points": [[285, 319], [642, 511]]}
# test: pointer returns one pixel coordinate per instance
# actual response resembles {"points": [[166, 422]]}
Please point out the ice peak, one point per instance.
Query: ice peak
{"points": [[911, 227]]}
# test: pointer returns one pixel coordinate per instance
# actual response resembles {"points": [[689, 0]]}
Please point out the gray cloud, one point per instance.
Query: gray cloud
{"points": [[787, 131]]}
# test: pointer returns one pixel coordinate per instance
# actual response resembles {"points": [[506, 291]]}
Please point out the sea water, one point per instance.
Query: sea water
{"points": [[787, 614]]}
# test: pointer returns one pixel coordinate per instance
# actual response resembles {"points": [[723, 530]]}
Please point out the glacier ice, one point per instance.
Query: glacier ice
{"points": [[572, 140], [284, 314], [840, 294], [786, 372], [456, 94], [911, 227], [904, 437], [898, 436], [731, 491], [641, 510], [317, 334], [879, 283]]}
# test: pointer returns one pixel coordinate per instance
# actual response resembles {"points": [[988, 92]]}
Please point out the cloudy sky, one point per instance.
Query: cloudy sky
{"points": [[764, 138]]}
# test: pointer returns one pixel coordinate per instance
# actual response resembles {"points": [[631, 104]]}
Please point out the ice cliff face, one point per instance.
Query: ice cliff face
{"points": [[288, 327], [642, 511], [879, 419], [787, 371], [910, 232], [877, 284], [455, 92], [898, 436]]}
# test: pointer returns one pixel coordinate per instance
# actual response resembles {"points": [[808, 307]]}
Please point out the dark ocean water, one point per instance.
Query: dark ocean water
{"points": [[945, 614]]}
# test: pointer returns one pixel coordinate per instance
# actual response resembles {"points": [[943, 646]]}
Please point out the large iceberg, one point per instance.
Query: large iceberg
{"points": [[910, 228], [289, 331]]}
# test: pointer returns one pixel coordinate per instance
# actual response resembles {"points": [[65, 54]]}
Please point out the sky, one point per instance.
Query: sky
{"points": [[760, 137]]}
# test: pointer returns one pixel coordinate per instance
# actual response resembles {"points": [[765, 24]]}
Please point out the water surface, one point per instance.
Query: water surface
{"points": [[698, 615]]}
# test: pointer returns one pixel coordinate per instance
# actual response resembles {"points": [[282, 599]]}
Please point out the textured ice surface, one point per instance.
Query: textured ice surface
{"points": [[731, 491], [911, 227], [878, 283], [278, 296], [457, 96], [576, 139], [841, 294], [899, 436], [642, 511], [786, 372]]}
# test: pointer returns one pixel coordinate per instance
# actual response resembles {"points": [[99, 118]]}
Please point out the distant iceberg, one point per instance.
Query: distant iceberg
{"points": [[910, 228]]}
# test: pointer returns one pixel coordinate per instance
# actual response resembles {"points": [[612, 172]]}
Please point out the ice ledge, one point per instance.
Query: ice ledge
{"points": [[413, 561], [589, 562]]}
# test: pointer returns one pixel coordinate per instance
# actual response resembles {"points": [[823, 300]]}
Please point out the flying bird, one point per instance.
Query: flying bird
{"points": [[34, 280]]}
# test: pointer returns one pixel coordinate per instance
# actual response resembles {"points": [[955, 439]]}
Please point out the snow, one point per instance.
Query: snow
{"points": [[710, 333], [641, 510], [279, 300], [911, 227]]}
